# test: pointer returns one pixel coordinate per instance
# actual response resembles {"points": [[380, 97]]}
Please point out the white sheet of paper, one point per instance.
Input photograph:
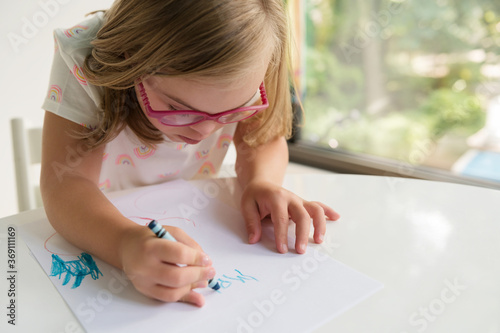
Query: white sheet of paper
{"points": [[261, 290]]}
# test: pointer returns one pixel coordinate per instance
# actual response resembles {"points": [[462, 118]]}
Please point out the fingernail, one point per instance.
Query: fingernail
{"points": [[302, 248], [250, 237], [210, 274], [321, 238], [284, 248], [205, 260]]}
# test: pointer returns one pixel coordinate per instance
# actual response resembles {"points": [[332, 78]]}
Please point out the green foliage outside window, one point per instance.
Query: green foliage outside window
{"points": [[383, 76]]}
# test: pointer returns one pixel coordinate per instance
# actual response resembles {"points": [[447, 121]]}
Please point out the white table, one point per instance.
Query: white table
{"points": [[435, 247]]}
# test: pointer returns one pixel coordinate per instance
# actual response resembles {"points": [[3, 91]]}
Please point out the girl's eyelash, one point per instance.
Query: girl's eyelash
{"points": [[173, 108]]}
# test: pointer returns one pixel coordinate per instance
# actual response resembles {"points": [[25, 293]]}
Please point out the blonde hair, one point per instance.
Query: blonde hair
{"points": [[216, 39]]}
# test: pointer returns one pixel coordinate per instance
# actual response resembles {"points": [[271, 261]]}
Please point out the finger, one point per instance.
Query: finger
{"points": [[166, 294], [331, 214], [250, 213], [179, 253], [200, 284], [184, 294], [177, 277], [182, 237], [317, 214], [302, 221], [281, 220], [194, 298]]}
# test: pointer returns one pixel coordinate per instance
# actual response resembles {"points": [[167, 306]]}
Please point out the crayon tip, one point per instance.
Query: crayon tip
{"points": [[214, 284]]}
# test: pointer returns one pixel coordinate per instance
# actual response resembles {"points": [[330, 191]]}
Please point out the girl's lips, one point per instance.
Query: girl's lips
{"points": [[189, 140]]}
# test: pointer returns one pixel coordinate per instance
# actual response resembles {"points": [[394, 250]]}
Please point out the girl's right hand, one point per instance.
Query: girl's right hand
{"points": [[152, 265]]}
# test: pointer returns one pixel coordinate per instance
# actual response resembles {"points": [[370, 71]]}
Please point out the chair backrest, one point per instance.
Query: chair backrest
{"points": [[27, 147]]}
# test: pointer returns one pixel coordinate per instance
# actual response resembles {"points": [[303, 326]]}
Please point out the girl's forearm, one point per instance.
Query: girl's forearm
{"points": [[75, 206], [267, 162], [81, 213]]}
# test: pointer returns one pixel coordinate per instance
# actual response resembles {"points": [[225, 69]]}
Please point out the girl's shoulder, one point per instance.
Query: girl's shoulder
{"points": [[70, 95], [78, 37]]}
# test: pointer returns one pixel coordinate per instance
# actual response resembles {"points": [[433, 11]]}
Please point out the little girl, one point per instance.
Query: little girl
{"points": [[153, 90]]}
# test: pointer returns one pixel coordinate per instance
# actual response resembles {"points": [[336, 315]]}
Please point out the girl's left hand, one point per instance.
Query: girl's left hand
{"points": [[262, 198]]}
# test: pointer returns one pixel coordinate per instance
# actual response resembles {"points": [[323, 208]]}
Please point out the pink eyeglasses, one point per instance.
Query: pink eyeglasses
{"points": [[181, 118]]}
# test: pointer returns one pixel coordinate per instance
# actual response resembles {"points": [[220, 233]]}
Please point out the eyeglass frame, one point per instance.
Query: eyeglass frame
{"points": [[206, 116]]}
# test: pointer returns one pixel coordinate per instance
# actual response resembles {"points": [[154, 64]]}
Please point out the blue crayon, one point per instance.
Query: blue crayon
{"points": [[160, 232]]}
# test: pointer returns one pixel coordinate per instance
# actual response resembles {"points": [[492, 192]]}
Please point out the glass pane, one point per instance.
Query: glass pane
{"points": [[415, 81]]}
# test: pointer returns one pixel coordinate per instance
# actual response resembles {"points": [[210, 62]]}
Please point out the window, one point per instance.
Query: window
{"points": [[402, 87]]}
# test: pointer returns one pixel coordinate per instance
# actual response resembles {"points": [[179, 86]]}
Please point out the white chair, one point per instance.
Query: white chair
{"points": [[27, 147]]}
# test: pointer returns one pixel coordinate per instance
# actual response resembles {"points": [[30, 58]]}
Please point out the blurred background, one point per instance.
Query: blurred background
{"points": [[412, 87]]}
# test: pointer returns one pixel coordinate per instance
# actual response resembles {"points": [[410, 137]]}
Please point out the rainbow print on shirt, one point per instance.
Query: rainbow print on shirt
{"points": [[78, 73], [168, 174], [181, 146], [56, 44], [90, 127], [202, 154], [207, 169], [124, 159], [105, 185], [224, 141], [144, 152], [55, 93], [75, 30]]}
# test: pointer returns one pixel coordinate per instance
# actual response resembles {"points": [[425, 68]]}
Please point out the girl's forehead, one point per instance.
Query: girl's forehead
{"points": [[203, 94], [255, 72], [162, 81]]}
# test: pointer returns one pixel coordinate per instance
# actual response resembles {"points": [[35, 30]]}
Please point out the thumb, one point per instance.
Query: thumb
{"points": [[251, 215], [193, 298]]}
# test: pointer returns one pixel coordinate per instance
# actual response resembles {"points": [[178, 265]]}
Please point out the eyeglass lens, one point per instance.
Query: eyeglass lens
{"points": [[187, 119]]}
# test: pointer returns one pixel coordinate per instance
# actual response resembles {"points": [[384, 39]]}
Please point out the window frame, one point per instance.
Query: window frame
{"points": [[353, 163], [342, 161]]}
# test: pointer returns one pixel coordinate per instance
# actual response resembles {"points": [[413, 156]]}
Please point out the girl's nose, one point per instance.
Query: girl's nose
{"points": [[205, 128]]}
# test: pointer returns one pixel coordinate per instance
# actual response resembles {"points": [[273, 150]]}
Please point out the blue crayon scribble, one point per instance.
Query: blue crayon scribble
{"points": [[80, 268], [240, 277], [227, 281]]}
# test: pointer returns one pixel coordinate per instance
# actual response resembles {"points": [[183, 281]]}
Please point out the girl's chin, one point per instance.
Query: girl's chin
{"points": [[188, 140], [176, 138], [172, 138]]}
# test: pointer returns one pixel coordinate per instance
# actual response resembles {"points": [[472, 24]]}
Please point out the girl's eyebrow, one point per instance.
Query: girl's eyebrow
{"points": [[181, 102]]}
